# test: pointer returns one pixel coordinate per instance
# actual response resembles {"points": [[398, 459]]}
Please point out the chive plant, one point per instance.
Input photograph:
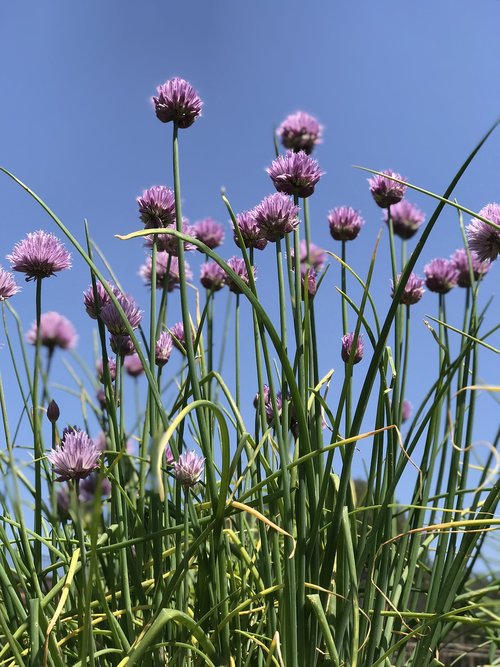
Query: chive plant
{"points": [[239, 537]]}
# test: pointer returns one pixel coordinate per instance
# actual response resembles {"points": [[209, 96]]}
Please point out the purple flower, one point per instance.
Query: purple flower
{"points": [[250, 232], [345, 223], [300, 132], [385, 191], [461, 262], [100, 369], [309, 274], [210, 232], [440, 275], [170, 243], [316, 258], [266, 393], [406, 410], [276, 216], [113, 320], [55, 331], [347, 343], [177, 101], [413, 290], [238, 266], [484, 239], [8, 285], [169, 457], [75, 458], [406, 219], [163, 348], [94, 306], [94, 486], [295, 174], [179, 337], [39, 255], [173, 279], [121, 344], [133, 365], [157, 207], [63, 502], [212, 276], [189, 468]]}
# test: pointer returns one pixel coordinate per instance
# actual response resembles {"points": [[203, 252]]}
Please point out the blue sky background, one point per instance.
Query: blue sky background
{"points": [[407, 86]]}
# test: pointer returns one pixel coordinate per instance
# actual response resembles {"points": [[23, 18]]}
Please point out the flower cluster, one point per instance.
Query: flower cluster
{"points": [[39, 255], [76, 457], [300, 132], [55, 331], [176, 100], [295, 174], [386, 191]]}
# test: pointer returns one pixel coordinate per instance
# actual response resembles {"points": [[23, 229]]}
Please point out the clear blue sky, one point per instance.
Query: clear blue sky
{"points": [[407, 86]]}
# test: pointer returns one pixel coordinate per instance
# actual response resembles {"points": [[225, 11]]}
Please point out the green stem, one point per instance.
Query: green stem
{"points": [[37, 434]]}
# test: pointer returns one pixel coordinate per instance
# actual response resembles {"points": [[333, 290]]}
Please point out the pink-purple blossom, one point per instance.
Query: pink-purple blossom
{"points": [[316, 257], [484, 239], [347, 346], [276, 216], [176, 100], [75, 458], [238, 266], [295, 174], [163, 348], [133, 365], [170, 242], [300, 132], [441, 275], [188, 469], [250, 232], [55, 331], [212, 276], [385, 191], [114, 321], [170, 281], [345, 223], [8, 286], [413, 290], [406, 219], [93, 305], [209, 232], [39, 255], [111, 367], [157, 207], [461, 262], [121, 344]]}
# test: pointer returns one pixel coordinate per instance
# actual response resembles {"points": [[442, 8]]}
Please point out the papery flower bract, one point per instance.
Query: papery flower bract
{"points": [[345, 223], [162, 266], [189, 468], [55, 331], [385, 191], [461, 262], [176, 100], [295, 173], [484, 239], [39, 255], [8, 286], [413, 291], [238, 266], [440, 275], [300, 132], [209, 232], [212, 276], [111, 366], [406, 410], [121, 344], [347, 343], [406, 219], [133, 365], [75, 458], [92, 485], [113, 320], [276, 216], [316, 257], [250, 232], [157, 207], [163, 348]]}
